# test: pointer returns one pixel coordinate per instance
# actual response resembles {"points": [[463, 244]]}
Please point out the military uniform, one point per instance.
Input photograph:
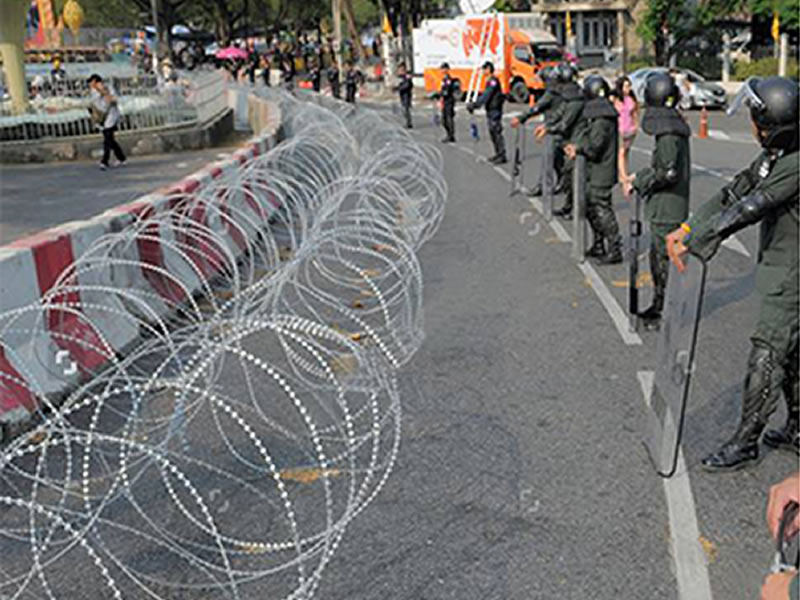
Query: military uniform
{"points": [[766, 192], [493, 99], [333, 78], [567, 126], [665, 188], [599, 143], [405, 87], [448, 93]]}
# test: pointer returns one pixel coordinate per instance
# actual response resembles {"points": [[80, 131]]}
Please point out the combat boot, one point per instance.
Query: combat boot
{"points": [[614, 254], [564, 212], [788, 437], [535, 192], [598, 248], [757, 401]]}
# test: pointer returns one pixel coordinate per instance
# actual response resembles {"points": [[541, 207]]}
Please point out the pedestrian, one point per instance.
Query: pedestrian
{"points": [[58, 77], [766, 192], [493, 99], [334, 78], [447, 94], [599, 143], [547, 105], [566, 127], [252, 66], [316, 75], [785, 585], [352, 79], [105, 112], [405, 87], [628, 109], [664, 185]]}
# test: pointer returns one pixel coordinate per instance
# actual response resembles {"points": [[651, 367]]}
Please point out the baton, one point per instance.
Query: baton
{"points": [[515, 169], [633, 261]]}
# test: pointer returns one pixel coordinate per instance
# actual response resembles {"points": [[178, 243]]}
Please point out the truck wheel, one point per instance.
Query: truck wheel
{"points": [[519, 92]]}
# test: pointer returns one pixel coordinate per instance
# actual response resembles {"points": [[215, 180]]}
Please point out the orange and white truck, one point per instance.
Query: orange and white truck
{"points": [[468, 41]]}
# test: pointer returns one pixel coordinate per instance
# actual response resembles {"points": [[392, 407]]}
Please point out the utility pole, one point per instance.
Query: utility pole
{"points": [[154, 8], [337, 32], [12, 38], [784, 54]]}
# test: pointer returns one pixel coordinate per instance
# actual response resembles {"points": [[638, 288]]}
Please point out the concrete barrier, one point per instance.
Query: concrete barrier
{"points": [[47, 343]]}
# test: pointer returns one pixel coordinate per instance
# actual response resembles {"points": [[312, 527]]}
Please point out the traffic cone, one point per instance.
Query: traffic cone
{"points": [[531, 100], [703, 133]]}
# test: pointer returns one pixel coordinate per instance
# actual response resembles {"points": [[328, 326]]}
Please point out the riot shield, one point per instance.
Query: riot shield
{"points": [[675, 364], [548, 176], [579, 209], [633, 261]]}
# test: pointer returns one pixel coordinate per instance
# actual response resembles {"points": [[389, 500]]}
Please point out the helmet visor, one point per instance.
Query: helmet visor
{"points": [[747, 97]]}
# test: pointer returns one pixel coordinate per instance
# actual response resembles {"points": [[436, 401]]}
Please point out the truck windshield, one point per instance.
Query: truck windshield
{"points": [[546, 52]]}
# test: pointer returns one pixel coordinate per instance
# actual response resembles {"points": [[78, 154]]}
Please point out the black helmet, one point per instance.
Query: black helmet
{"points": [[565, 72], [548, 75], [594, 86], [774, 109], [660, 89]]}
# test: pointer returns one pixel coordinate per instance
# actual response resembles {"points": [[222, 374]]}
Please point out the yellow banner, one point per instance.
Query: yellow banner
{"points": [[387, 27], [776, 26], [569, 25]]}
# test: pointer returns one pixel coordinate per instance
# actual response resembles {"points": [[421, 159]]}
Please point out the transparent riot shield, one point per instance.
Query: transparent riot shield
{"points": [[579, 209], [634, 249], [675, 364], [548, 177]]}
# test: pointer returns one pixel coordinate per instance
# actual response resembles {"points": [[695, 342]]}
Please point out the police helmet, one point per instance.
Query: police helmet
{"points": [[565, 72], [594, 86], [773, 104], [660, 89], [548, 75]]}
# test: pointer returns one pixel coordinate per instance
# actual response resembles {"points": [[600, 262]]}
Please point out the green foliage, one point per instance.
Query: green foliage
{"points": [[639, 62], [763, 68], [788, 11]]}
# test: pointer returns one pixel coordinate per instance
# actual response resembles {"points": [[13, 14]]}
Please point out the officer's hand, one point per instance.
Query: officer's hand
{"points": [[470, 108], [540, 132], [515, 122], [570, 151], [676, 248], [780, 495], [776, 586]]}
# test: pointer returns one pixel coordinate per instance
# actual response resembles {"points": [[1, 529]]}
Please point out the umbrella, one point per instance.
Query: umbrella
{"points": [[232, 53]]}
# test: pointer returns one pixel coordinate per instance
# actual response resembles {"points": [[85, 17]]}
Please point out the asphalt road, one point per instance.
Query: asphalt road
{"points": [[521, 472], [36, 197]]}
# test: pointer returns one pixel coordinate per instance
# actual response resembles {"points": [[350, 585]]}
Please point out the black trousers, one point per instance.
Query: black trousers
{"points": [[449, 120], [336, 90], [495, 122], [407, 112], [350, 94], [109, 144]]}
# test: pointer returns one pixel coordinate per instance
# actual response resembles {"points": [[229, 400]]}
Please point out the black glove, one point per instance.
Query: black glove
{"points": [[470, 108]]}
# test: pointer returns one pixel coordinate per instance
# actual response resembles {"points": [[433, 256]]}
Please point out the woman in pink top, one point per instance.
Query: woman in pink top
{"points": [[628, 109]]}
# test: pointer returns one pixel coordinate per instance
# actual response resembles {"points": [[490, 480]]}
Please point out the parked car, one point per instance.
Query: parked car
{"points": [[701, 93]]}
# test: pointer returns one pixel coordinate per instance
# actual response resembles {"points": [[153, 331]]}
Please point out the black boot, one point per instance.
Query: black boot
{"points": [[758, 400], [598, 248], [614, 254], [535, 192], [788, 437], [565, 211]]}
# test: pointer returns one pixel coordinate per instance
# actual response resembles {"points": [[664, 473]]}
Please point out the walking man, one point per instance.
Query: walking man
{"points": [[448, 94], [405, 87], [105, 113]]}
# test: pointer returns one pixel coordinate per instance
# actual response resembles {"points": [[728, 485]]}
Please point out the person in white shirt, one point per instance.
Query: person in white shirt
{"points": [[105, 113]]}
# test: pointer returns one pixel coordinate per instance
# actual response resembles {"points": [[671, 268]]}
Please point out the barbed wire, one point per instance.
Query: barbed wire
{"points": [[233, 357]]}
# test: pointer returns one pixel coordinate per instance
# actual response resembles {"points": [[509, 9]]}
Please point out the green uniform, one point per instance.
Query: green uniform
{"points": [[772, 180], [599, 143], [548, 105], [568, 124], [665, 188]]}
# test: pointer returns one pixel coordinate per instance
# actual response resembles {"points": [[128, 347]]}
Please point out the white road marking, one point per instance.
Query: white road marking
{"points": [[718, 134], [733, 242], [502, 172], [614, 310], [691, 570]]}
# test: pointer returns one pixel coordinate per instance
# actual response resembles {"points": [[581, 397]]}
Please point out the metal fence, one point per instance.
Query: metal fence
{"points": [[61, 108]]}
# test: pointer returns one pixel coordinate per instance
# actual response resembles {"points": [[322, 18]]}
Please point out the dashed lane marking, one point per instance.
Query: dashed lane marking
{"points": [[691, 570]]}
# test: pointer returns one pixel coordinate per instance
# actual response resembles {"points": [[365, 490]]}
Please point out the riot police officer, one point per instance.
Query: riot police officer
{"points": [[599, 144], [352, 79], [664, 185], [448, 94], [766, 192], [566, 126], [493, 99], [548, 105], [316, 76], [405, 87], [334, 79]]}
